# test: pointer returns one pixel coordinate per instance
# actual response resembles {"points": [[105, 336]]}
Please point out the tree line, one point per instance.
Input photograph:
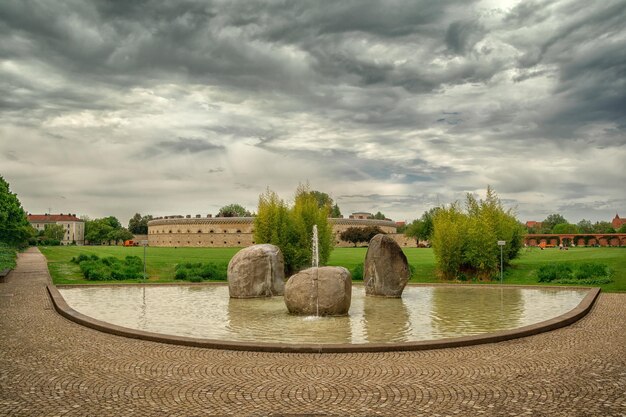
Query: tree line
{"points": [[557, 224]]}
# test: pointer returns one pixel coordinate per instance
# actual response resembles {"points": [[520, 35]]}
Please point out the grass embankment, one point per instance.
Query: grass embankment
{"points": [[162, 261]]}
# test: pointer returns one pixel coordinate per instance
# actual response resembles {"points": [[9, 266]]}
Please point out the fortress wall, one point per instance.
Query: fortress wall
{"points": [[223, 232]]}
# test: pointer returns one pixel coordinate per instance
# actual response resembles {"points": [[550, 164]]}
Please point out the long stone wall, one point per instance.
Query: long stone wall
{"points": [[222, 232]]}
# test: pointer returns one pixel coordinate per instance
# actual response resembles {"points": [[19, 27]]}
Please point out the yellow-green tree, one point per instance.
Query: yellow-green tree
{"points": [[291, 229], [466, 242]]}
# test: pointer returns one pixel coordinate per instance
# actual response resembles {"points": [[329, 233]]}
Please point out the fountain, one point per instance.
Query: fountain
{"points": [[319, 291], [206, 315]]}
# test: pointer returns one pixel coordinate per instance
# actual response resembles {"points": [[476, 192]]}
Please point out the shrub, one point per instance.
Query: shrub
{"points": [[82, 257], [584, 274], [96, 269], [8, 255], [199, 271], [464, 241], [357, 272], [549, 273], [591, 270]]}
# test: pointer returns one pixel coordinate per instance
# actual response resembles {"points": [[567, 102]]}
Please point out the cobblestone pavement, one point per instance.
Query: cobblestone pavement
{"points": [[50, 366]]}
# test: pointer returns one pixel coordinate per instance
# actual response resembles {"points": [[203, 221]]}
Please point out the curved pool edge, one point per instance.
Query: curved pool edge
{"points": [[563, 320]]}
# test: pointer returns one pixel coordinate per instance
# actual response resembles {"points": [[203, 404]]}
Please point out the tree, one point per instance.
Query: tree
{"points": [[112, 221], [551, 221], [97, 231], [271, 221], [233, 210], [565, 228], [353, 235], [322, 199], [291, 229], [54, 232], [622, 228], [603, 227], [335, 213], [14, 227], [370, 231], [138, 224], [306, 213], [119, 235], [585, 226], [465, 242], [422, 229], [379, 216]]}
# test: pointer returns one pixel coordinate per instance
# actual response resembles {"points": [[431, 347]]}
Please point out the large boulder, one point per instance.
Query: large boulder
{"points": [[386, 270], [257, 271], [324, 291]]}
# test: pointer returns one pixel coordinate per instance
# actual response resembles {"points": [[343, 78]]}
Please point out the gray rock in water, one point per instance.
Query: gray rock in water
{"points": [[386, 270], [324, 291], [257, 271]]}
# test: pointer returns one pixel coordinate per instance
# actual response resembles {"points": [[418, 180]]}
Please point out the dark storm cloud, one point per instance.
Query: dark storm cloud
{"points": [[181, 145], [462, 35]]}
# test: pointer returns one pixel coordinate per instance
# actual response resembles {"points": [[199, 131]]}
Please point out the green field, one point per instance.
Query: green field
{"points": [[162, 261]]}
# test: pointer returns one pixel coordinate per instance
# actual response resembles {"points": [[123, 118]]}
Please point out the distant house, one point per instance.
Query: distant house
{"points": [[617, 222], [74, 227], [361, 215], [531, 224]]}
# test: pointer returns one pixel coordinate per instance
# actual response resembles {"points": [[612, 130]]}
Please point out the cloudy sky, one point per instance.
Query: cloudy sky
{"points": [[181, 107]]}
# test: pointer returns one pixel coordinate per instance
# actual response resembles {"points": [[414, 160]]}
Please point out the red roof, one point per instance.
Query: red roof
{"points": [[42, 218]]}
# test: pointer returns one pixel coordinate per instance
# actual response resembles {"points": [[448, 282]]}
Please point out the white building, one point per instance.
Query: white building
{"points": [[74, 227]]}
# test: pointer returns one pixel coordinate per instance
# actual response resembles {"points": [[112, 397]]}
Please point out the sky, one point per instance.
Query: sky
{"points": [[184, 106]]}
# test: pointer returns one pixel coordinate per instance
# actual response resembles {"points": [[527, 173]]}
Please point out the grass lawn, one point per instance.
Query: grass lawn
{"points": [[161, 262]]}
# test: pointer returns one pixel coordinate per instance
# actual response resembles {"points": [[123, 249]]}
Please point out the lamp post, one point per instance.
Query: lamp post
{"points": [[501, 243], [144, 243]]}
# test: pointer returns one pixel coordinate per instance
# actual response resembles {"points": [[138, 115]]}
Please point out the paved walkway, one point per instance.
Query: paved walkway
{"points": [[50, 366]]}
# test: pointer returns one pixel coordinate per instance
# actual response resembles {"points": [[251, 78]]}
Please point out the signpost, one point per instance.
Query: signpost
{"points": [[501, 243]]}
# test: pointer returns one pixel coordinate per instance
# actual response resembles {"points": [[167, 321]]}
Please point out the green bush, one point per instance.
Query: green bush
{"points": [[199, 271], [549, 273], [109, 268], [591, 270], [82, 257], [357, 272], [8, 255], [584, 274], [464, 241]]}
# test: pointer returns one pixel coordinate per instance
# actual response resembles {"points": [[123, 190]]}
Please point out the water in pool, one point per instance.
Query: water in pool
{"points": [[423, 313]]}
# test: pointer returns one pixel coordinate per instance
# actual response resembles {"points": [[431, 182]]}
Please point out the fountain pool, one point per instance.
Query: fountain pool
{"points": [[423, 313]]}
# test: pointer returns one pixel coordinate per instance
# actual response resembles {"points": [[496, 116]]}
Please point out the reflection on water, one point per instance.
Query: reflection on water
{"points": [[423, 313], [385, 320], [476, 310]]}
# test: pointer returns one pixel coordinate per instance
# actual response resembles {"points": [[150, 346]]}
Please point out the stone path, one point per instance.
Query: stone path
{"points": [[50, 366]]}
